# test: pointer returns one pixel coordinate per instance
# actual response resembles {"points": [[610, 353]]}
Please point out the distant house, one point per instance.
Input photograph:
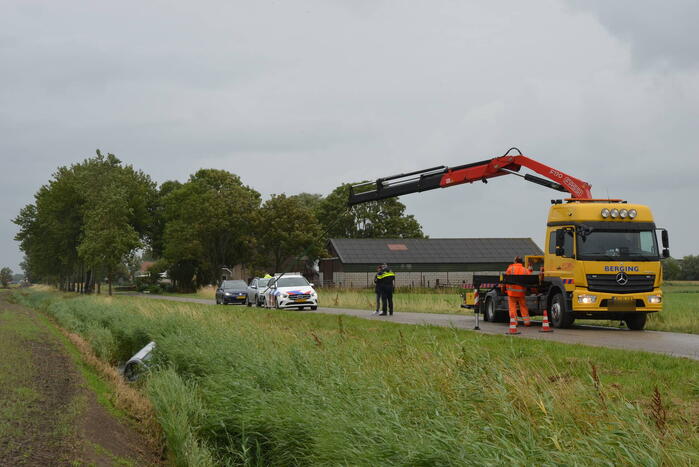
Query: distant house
{"points": [[143, 269], [420, 262]]}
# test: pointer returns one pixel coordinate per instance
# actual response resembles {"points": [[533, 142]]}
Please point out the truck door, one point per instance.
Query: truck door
{"points": [[561, 266]]}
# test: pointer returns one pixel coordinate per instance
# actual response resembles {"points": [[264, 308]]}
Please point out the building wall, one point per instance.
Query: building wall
{"points": [[405, 279]]}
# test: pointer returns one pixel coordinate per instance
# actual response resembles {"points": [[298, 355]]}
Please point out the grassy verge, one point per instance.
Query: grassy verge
{"points": [[17, 390], [282, 388]]}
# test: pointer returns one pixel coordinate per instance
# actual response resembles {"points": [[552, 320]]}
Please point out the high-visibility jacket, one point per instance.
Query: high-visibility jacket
{"points": [[516, 290], [385, 279]]}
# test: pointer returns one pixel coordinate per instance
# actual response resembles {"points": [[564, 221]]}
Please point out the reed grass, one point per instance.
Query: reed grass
{"points": [[232, 387]]}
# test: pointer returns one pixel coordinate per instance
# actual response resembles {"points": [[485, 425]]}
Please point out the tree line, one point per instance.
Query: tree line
{"points": [[685, 269], [92, 219]]}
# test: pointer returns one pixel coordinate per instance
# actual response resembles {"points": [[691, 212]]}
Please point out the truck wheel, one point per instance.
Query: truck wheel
{"points": [[636, 322], [314, 308], [489, 314], [560, 316]]}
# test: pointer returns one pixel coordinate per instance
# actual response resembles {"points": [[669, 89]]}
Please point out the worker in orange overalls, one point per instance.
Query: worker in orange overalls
{"points": [[516, 294]]}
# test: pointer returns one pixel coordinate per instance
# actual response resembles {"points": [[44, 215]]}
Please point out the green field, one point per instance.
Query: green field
{"points": [[232, 387]]}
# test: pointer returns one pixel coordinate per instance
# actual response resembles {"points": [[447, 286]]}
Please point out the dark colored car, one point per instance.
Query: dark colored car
{"points": [[232, 292]]}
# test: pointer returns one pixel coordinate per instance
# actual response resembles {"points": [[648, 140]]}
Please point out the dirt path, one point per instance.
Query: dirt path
{"points": [[48, 416]]}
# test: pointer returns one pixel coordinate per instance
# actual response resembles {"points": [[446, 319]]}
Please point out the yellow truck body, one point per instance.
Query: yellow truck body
{"points": [[601, 261]]}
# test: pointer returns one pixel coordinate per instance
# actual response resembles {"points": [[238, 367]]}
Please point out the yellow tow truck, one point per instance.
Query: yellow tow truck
{"points": [[601, 256]]}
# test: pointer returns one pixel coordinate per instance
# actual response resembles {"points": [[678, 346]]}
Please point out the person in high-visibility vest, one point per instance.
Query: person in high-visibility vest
{"points": [[385, 280], [377, 291], [516, 294]]}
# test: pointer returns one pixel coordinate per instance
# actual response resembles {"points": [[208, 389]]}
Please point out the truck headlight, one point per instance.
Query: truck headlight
{"points": [[655, 299], [587, 299]]}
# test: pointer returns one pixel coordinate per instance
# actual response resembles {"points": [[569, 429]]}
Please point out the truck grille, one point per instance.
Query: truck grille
{"points": [[608, 283]]}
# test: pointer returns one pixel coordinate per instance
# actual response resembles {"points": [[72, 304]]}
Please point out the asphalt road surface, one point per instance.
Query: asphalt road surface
{"points": [[669, 343]]}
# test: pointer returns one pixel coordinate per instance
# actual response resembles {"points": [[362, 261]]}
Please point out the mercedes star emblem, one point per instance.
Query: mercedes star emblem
{"points": [[622, 278]]}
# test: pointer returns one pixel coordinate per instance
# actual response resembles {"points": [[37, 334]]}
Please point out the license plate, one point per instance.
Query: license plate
{"points": [[300, 300], [625, 303], [241, 296]]}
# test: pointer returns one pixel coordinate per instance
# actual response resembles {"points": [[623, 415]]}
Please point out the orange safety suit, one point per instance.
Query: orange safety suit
{"points": [[516, 294]]}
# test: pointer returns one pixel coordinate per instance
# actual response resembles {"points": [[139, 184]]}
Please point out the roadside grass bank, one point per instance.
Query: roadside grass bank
{"points": [[49, 398], [232, 387]]}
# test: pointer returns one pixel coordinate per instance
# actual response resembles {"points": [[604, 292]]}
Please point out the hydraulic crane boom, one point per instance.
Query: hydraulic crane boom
{"points": [[442, 177]]}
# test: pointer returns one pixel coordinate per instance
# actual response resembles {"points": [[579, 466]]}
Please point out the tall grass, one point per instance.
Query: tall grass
{"points": [[407, 300], [233, 387]]}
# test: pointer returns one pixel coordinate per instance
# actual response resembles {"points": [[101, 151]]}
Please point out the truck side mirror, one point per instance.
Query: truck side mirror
{"points": [[666, 253], [666, 239], [560, 241]]}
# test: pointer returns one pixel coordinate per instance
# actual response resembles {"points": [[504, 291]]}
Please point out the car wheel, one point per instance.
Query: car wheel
{"points": [[247, 302], [218, 302], [636, 322], [560, 316], [314, 308]]}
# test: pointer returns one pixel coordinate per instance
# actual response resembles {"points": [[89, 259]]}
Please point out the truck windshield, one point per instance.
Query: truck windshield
{"points": [[618, 245]]}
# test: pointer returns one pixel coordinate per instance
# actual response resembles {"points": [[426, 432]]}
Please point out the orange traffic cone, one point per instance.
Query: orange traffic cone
{"points": [[545, 325], [513, 327]]}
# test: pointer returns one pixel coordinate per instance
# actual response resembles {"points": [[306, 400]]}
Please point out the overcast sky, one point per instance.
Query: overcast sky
{"points": [[302, 96]]}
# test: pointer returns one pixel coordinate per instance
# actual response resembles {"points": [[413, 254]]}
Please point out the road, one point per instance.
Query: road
{"points": [[669, 343]]}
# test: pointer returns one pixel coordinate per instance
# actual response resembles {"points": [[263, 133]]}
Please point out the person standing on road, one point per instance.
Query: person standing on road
{"points": [[377, 291], [385, 280], [516, 294]]}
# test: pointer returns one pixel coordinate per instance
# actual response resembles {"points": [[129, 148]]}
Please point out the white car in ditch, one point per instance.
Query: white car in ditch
{"points": [[290, 291]]}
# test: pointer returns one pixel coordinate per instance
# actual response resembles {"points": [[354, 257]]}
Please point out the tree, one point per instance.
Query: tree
{"points": [[5, 276], [690, 268], [68, 234], [672, 269], [108, 237], [209, 223], [310, 200], [376, 219], [288, 230]]}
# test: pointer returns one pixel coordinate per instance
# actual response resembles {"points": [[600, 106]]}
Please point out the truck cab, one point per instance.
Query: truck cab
{"points": [[602, 261]]}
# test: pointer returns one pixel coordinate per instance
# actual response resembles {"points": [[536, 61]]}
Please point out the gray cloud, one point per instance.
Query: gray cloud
{"points": [[304, 98], [659, 33]]}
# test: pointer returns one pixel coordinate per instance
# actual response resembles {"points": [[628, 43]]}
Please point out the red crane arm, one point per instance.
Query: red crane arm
{"points": [[510, 165], [442, 177]]}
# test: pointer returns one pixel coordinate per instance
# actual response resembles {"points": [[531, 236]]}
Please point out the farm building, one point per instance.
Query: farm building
{"points": [[418, 262]]}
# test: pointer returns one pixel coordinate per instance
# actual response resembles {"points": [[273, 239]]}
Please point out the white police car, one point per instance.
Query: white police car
{"points": [[291, 291]]}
